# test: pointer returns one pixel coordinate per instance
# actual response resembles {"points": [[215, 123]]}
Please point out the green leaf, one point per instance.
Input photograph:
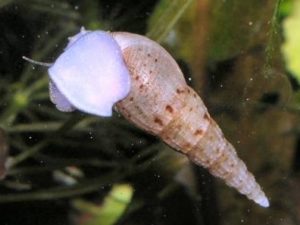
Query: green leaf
{"points": [[113, 207], [291, 46], [165, 16], [285, 8], [236, 26]]}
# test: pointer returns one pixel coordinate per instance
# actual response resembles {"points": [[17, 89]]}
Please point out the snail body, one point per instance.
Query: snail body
{"points": [[155, 97]]}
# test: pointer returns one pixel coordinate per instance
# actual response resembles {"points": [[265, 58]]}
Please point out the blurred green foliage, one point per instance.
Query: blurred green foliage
{"points": [[112, 208], [241, 26], [165, 16], [291, 46]]}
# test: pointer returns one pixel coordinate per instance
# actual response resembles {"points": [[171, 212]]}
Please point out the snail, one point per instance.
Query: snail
{"points": [[100, 70]]}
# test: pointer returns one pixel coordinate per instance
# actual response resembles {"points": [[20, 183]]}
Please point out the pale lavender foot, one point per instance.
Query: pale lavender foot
{"points": [[59, 99]]}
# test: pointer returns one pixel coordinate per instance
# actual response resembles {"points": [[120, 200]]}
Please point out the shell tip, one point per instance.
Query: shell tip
{"points": [[263, 201]]}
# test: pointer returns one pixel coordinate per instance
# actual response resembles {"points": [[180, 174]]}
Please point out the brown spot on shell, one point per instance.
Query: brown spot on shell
{"points": [[207, 162], [206, 116], [179, 91], [187, 146], [195, 96], [141, 86], [158, 121], [149, 55], [155, 60], [131, 99], [167, 138], [150, 71], [198, 132], [169, 108]]}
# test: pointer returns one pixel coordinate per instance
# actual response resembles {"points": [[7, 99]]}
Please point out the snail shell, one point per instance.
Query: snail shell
{"points": [[100, 69], [161, 103]]}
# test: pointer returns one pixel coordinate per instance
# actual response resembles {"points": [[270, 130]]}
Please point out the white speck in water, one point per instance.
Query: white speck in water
{"points": [[250, 23], [38, 36], [91, 135], [190, 79], [76, 7], [251, 79], [30, 137], [242, 221], [247, 99], [171, 38], [221, 85], [238, 141]]}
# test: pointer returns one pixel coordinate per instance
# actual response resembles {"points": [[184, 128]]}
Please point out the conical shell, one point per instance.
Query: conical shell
{"points": [[161, 103]]}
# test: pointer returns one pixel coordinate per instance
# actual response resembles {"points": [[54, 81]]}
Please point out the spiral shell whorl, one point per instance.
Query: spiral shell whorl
{"points": [[216, 154], [161, 103]]}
